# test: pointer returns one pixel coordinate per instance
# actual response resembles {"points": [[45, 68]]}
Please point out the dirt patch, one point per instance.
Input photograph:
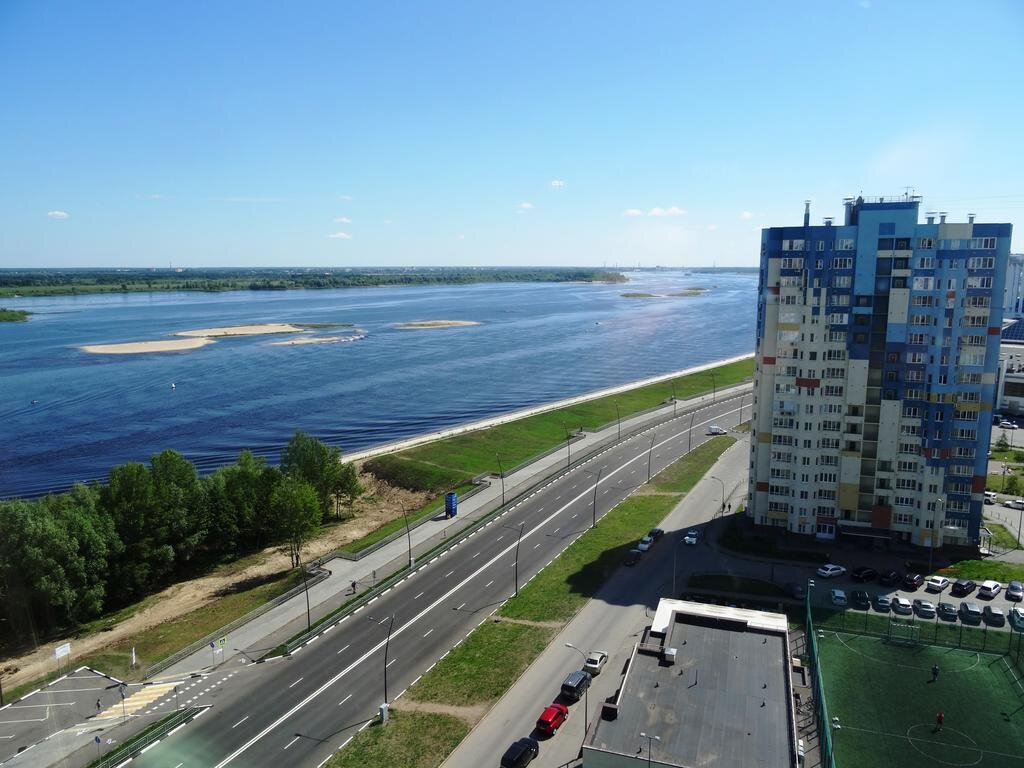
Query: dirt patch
{"points": [[471, 714], [527, 622], [380, 504]]}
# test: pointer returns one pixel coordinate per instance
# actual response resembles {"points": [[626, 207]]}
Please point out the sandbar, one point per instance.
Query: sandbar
{"points": [[242, 330], [422, 324], [314, 340], [639, 295], [139, 347]]}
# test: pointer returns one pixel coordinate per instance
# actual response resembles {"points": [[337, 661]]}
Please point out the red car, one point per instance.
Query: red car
{"points": [[552, 718]]}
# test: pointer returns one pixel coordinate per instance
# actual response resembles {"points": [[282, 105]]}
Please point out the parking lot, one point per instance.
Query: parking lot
{"points": [[63, 703]]}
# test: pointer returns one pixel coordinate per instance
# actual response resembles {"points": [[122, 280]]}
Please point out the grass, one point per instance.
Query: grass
{"points": [[725, 582], [979, 570], [1001, 536], [683, 474], [887, 706], [428, 510], [454, 460], [484, 666], [13, 315], [410, 739]]}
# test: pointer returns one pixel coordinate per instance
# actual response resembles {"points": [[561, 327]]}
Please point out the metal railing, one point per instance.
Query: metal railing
{"points": [[134, 746]]}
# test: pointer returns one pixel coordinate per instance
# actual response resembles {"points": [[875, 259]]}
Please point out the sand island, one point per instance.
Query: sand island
{"points": [[422, 324], [679, 294], [138, 347], [317, 340], [242, 330]]}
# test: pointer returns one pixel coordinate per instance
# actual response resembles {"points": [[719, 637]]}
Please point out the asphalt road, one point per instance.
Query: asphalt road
{"points": [[298, 711]]}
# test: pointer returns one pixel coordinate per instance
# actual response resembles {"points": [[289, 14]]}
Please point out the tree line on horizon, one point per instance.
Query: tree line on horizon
{"points": [[69, 557]]}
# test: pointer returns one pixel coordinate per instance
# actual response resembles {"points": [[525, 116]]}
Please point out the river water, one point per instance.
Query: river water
{"points": [[536, 343]]}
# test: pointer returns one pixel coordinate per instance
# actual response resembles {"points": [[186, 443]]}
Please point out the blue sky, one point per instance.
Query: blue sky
{"points": [[379, 133]]}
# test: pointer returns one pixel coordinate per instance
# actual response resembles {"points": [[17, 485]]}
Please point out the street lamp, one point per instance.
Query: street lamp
{"points": [[723, 492], [689, 433], [568, 450], [305, 587], [649, 740], [593, 522], [586, 698], [675, 399], [387, 645], [517, 558], [650, 454], [501, 472], [408, 534], [618, 419], [1002, 486]]}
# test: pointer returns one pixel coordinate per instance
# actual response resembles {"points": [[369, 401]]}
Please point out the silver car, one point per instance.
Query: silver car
{"points": [[1015, 591], [924, 608]]}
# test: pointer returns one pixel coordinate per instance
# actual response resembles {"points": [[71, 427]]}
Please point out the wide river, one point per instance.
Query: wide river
{"points": [[68, 415]]}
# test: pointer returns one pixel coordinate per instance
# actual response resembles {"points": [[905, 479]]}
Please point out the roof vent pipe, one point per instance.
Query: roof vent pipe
{"points": [[828, 221], [970, 218], [930, 217], [942, 217], [807, 213]]}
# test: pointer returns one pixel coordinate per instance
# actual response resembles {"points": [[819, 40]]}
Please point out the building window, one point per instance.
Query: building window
{"points": [[844, 244], [927, 243]]}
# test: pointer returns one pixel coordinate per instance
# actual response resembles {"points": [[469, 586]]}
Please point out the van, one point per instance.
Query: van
{"points": [[575, 685], [990, 497]]}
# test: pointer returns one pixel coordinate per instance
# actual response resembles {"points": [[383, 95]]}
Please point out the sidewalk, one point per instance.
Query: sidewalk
{"points": [[284, 621]]}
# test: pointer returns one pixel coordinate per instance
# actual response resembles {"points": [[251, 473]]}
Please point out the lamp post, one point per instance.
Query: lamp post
{"points": [[939, 503], [568, 450], [650, 739], [387, 645], [517, 558], [723, 492], [675, 399], [501, 472], [650, 454], [305, 588], [618, 420], [408, 534], [586, 696], [1002, 486], [593, 522], [689, 433]]}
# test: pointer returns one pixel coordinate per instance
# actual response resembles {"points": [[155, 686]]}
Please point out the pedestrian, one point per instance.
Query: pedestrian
{"points": [[353, 587], [939, 720], [935, 672], [99, 706]]}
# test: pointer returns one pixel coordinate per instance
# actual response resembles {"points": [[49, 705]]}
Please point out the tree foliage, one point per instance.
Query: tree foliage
{"points": [[320, 465]]}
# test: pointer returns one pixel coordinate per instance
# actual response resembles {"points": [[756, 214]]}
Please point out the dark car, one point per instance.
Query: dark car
{"points": [[863, 573], [521, 753], [795, 590], [860, 599], [946, 611], [883, 603], [890, 578], [962, 587], [655, 533], [912, 581], [633, 557]]}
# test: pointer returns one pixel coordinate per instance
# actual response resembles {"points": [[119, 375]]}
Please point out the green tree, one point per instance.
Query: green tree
{"points": [[296, 513], [1002, 444], [177, 511], [321, 466], [1012, 486]]}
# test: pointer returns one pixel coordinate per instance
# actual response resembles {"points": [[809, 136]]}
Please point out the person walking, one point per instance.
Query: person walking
{"points": [[935, 672], [939, 720], [99, 706]]}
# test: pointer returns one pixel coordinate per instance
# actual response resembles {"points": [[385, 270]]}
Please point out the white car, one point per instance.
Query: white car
{"points": [[830, 571], [645, 543], [1007, 425], [936, 583], [691, 536], [715, 430], [595, 662], [989, 589], [902, 606], [838, 597]]}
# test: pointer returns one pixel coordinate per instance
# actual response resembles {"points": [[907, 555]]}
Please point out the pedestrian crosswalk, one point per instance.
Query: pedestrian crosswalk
{"points": [[136, 701]]}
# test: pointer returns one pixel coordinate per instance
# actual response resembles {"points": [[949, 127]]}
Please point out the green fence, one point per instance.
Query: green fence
{"points": [[135, 745], [818, 688]]}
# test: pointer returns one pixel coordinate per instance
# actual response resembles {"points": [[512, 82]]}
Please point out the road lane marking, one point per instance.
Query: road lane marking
{"points": [[488, 583], [558, 529], [427, 609], [345, 699], [390, 663], [292, 742], [418, 596], [343, 649], [475, 556], [240, 722], [296, 682], [461, 607], [386, 618], [447, 574], [428, 631], [537, 544]]}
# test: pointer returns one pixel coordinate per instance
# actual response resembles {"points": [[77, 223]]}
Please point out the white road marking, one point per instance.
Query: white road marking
{"points": [[557, 529], [292, 742], [345, 699], [390, 663], [386, 618], [488, 583], [428, 631], [328, 683], [475, 556], [240, 722], [448, 574], [418, 596], [343, 649], [296, 682], [461, 607]]}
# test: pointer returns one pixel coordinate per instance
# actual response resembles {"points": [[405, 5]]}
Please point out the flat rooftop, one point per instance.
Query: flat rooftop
{"points": [[726, 700]]}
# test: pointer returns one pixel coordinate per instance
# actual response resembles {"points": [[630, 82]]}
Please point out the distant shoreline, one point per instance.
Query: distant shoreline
{"points": [[416, 325]]}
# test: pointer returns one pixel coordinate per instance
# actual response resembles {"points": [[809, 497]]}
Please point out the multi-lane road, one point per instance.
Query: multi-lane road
{"points": [[298, 711]]}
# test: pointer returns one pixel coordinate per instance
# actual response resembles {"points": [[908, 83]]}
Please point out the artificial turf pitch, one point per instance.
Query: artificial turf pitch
{"points": [[887, 706]]}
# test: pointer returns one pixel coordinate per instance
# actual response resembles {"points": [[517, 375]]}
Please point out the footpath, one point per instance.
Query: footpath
{"points": [[276, 626]]}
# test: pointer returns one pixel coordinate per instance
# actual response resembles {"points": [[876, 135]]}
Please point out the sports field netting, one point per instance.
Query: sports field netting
{"points": [[886, 704]]}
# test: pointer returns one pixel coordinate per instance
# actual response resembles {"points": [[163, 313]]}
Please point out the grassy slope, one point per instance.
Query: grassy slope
{"points": [[409, 740], [13, 315]]}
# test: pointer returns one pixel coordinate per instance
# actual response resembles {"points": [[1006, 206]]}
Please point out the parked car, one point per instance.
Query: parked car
{"points": [[882, 603], [831, 571], [716, 430], [912, 581], [890, 578], [936, 583], [838, 597], [551, 718], [521, 753], [970, 613], [795, 590], [575, 684], [655, 533], [645, 543], [1014, 591], [595, 662], [1017, 618], [994, 616], [990, 496], [902, 606], [924, 608], [692, 536], [860, 599], [1014, 503], [946, 611], [1007, 425], [962, 587], [632, 557], [863, 573], [989, 589]]}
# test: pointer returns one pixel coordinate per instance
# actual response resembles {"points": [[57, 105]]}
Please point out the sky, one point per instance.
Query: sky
{"points": [[530, 133]]}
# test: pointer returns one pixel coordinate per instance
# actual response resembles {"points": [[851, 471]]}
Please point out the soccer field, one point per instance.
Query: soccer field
{"points": [[887, 705]]}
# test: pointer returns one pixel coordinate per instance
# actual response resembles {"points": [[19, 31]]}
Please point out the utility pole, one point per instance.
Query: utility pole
{"points": [[689, 433], [408, 534], [618, 420], [501, 473], [305, 585], [650, 454], [593, 522], [517, 558], [675, 400]]}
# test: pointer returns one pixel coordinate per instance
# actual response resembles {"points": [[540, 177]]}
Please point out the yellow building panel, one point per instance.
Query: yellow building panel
{"points": [[788, 326], [848, 495], [764, 437]]}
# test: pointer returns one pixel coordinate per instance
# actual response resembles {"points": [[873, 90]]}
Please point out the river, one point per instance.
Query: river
{"points": [[68, 415]]}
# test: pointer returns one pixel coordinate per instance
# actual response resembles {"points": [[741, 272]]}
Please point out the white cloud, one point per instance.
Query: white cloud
{"points": [[746, 215], [558, 183], [343, 220], [633, 212], [58, 214], [340, 236], [525, 206], [675, 210]]}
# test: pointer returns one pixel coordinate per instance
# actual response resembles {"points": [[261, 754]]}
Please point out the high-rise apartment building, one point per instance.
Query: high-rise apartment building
{"points": [[877, 350], [1013, 292]]}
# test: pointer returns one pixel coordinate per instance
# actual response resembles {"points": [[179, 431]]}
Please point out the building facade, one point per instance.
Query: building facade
{"points": [[877, 351], [1013, 292]]}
